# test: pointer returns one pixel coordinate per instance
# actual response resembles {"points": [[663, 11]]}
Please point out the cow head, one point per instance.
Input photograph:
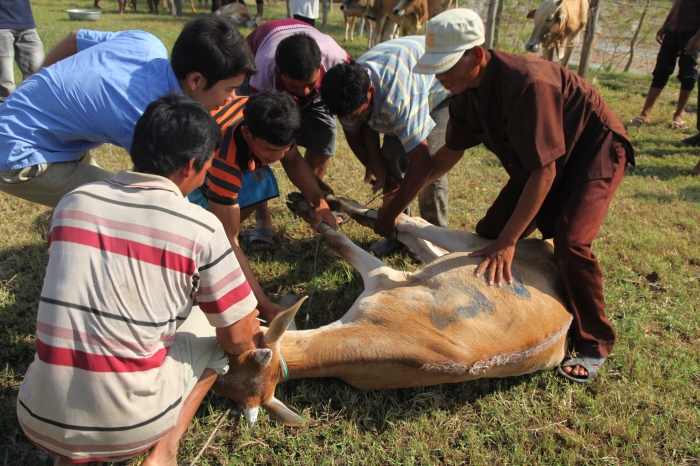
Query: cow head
{"points": [[550, 20], [403, 7], [351, 5], [238, 14], [252, 376]]}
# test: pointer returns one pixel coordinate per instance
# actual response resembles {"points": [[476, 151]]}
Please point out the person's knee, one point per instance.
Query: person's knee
{"points": [[485, 229]]}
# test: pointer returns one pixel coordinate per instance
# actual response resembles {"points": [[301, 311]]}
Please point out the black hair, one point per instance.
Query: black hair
{"points": [[344, 88], [173, 130], [272, 116], [298, 56], [211, 45]]}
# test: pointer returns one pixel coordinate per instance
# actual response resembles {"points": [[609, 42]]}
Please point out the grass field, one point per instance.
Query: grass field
{"points": [[644, 408]]}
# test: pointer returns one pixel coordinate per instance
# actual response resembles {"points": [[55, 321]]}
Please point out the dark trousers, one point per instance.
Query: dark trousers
{"points": [[672, 50], [576, 225], [310, 21]]}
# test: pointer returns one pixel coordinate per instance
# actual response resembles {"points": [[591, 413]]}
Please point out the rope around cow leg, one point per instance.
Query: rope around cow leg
{"points": [[313, 286]]}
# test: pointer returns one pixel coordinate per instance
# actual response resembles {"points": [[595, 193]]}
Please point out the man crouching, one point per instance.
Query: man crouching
{"points": [[123, 360]]}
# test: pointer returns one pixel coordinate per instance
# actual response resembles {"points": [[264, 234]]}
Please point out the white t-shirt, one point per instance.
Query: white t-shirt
{"points": [[305, 8]]}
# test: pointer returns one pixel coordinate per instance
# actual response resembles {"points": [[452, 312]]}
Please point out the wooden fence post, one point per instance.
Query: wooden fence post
{"points": [[636, 36], [326, 5], [589, 38], [490, 24]]}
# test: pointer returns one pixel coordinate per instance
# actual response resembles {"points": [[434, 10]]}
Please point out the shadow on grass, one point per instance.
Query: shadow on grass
{"points": [[664, 173], [687, 194]]}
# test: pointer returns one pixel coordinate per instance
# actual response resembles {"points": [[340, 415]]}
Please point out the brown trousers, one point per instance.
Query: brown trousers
{"points": [[576, 225]]}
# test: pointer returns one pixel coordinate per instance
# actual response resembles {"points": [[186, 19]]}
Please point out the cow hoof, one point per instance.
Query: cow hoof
{"points": [[300, 206]]}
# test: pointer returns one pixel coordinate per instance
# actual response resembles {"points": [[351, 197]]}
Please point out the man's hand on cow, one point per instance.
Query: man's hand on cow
{"points": [[324, 214], [693, 44], [269, 311], [385, 225], [498, 257]]}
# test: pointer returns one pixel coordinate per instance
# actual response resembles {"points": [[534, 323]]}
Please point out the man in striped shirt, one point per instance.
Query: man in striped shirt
{"points": [[123, 360], [380, 94]]}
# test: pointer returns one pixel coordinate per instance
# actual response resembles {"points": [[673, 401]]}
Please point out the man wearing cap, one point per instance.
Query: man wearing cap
{"points": [[565, 152], [381, 95]]}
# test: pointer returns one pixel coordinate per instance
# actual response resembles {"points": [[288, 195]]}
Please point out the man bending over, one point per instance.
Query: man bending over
{"points": [[123, 360], [257, 131], [380, 94], [94, 87]]}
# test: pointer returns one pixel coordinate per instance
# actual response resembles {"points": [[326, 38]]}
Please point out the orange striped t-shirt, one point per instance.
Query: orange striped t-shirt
{"points": [[226, 173]]}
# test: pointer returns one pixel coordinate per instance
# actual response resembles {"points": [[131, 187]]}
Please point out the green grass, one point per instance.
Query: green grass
{"points": [[645, 407]]}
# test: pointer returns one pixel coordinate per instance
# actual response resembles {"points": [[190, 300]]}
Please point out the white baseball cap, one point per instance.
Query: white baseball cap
{"points": [[447, 36]]}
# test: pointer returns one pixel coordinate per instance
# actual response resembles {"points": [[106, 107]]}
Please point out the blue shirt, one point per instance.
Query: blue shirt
{"points": [[93, 97], [403, 100], [16, 14]]}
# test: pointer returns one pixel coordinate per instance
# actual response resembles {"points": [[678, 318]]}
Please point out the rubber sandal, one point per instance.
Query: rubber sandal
{"points": [[587, 362], [636, 122], [679, 124], [264, 236]]}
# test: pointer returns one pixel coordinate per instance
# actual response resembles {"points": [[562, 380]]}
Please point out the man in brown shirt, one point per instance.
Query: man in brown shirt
{"points": [[565, 152]]}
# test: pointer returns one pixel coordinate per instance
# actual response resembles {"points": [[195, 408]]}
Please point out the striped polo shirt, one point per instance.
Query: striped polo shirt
{"points": [[403, 99], [127, 256], [225, 176]]}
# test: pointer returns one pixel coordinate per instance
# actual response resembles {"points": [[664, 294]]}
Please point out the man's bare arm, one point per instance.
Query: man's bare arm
{"points": [[301, 175], [230, 217], [64, 49]]}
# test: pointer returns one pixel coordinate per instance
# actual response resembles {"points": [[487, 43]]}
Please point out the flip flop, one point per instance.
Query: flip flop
{"points": [[590, 363], [679, 124], [263, 236], [636, 122]]}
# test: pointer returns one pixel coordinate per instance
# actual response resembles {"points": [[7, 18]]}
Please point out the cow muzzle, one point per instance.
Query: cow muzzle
{"points": [[398, 12], [343, 7], [532, 47]]}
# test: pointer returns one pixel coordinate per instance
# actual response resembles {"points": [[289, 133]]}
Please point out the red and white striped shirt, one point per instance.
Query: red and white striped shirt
{"points": [[126, 257]]}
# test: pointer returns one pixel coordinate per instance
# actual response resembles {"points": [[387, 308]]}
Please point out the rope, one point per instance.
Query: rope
{"points": [[210, 437], [313, 287]]}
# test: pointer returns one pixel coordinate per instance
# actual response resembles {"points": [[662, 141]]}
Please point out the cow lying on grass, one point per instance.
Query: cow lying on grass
{"points": [[440, 324]]}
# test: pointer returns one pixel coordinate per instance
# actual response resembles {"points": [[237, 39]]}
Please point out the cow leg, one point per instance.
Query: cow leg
{"points": [[346, 19], [370, 30], [361, 26], [423, 238], [548, 54], [352, 29], [570, 45], [376, 275]]}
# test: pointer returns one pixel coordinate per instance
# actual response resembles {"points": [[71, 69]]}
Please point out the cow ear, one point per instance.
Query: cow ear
{"points": [[280, 324], [531, 14], [282, 413]]}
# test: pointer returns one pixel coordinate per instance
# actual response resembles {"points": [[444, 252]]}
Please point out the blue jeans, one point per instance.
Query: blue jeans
{"points": [[23, 46]]}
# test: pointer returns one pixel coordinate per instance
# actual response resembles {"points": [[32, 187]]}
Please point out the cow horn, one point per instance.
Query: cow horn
{"points": [[280, 324], [263, 357], [282, 413], [251, 415]]}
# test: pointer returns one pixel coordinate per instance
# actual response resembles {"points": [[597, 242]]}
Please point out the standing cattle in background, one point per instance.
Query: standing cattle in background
{"points": [[558, 25], [410, 18], [357, 9]]}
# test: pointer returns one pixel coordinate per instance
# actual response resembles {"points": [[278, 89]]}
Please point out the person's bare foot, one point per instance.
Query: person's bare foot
{"points": [[576, 371]]}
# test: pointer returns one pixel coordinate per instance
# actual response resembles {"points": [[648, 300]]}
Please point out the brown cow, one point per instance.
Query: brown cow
{"points": [[558, 25], [357, 9], [440, 324], [238, 14]]}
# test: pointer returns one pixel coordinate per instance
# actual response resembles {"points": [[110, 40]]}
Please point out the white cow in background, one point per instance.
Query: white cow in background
{"points": [[558, 25]]}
